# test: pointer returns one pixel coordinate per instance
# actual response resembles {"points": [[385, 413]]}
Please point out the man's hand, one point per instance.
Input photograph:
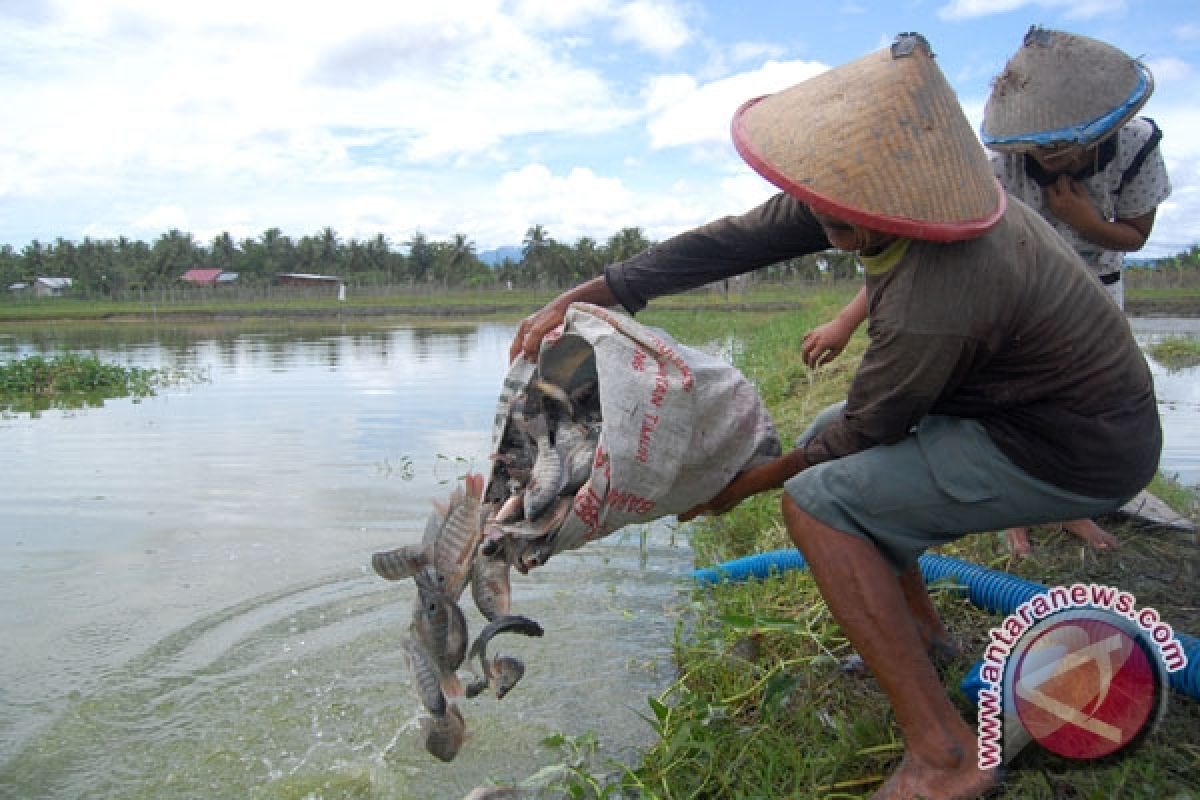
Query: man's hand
{"points": [[764, 477], [534, 328]]}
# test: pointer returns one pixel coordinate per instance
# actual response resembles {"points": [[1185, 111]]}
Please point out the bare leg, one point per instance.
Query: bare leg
{"points": [[938, 642], [868, 600]]}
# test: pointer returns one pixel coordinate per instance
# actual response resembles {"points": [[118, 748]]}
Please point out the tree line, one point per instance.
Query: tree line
{"points": [[116, 266]]}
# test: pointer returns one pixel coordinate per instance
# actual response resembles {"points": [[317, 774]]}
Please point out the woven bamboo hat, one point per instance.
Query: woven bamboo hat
{"points": [[1062, 89], [880, 142]]}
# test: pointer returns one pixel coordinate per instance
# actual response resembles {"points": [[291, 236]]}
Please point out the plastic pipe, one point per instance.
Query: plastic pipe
{"points": [[988, 589]]}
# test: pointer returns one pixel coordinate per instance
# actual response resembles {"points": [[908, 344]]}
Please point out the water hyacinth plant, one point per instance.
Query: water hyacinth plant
{"points": [[71, 380]]}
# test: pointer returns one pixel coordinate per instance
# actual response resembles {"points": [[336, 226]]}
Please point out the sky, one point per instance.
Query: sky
{"points": [[481, 117]]}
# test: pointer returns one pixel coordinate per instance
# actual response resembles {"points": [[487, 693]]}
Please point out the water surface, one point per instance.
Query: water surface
{"points": [[190, 610]]}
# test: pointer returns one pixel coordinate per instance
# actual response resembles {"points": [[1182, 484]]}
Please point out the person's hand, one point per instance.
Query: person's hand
{"points": [[534, 328], [825, 342], [745, 484], [1067, 199]]}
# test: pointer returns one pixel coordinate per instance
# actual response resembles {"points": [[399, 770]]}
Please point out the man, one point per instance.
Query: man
{"points": [[1000, 385]]}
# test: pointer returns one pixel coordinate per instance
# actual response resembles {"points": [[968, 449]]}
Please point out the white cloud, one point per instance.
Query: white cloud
{"points": [[161, 219], [560, 14], [1072, 9], [684, 112], [1170, 69], [655, 26]]}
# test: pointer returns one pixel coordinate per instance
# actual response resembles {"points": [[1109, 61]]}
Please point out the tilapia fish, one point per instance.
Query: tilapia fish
{"points": [[439, 625], [426, 679], [443, 735], [503, 672], [547, 477], [452, 534], [490, 586]]}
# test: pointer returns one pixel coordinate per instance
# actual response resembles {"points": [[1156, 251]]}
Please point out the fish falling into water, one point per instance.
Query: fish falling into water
{"points": [[483, 530]]}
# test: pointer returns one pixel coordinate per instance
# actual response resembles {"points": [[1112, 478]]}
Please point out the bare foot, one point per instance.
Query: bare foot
{"points": [[1092, 533], [1018, 541], [914, 779]]}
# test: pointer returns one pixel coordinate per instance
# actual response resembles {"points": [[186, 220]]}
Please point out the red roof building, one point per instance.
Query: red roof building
{"points": [[201, 277]]}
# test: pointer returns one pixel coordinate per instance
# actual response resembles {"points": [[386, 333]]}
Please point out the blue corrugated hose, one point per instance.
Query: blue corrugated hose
{"points": [[988, 589]]}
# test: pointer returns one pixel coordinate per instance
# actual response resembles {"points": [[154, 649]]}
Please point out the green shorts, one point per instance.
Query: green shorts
{"points": [[944, 481]]}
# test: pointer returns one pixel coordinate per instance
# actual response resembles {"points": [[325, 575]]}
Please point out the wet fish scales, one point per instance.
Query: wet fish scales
{"points": [[491, 588], [459, 534], [439, 623], [547, 478], [425, 677]]}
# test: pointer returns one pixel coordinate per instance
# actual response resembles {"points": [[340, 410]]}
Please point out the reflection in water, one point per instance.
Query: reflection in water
{"points": [[1178, 394], [190, 610]]}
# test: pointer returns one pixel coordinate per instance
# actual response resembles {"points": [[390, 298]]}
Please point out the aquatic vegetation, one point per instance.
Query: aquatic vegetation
{"points": [[1176, 352], [72, 380]]}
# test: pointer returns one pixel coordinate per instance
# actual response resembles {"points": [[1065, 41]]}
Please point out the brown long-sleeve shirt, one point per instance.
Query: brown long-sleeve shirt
{"points": [[1009, 328]]}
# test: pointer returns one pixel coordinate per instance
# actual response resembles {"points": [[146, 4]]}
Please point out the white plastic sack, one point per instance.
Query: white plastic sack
{"points": [[678, 423]]}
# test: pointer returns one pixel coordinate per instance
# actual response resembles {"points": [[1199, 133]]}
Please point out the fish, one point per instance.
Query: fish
{"points": [[439, 625], [525, 554], [443, 734], [425, 677], [503, 672], [400, 563], [548, 523], [490, 586], [577, 450], [508, 670], [547, 390], [452, 534], [547, 477]]}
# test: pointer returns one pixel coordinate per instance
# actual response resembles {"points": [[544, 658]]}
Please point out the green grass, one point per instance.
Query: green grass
{"points": [[761, 708]]}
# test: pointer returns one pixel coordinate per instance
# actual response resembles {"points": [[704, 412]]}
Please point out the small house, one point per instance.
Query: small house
{"points": [[51, 287], [331, 283], [201, 277]]}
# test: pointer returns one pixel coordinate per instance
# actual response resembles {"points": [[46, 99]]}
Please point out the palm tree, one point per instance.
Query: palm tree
{"points": [[534, 251], [626, 243], [421, 256]]}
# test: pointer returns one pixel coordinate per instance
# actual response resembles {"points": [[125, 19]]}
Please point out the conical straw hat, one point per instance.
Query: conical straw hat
{"points": [[1061, 88], [880, 142]]}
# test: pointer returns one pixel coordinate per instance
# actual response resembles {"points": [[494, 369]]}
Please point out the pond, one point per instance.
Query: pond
{"points": [[1178, 398], [190, 610]]}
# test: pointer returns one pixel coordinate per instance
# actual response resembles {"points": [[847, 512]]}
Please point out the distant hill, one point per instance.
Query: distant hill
{"points": [[494, 257]]}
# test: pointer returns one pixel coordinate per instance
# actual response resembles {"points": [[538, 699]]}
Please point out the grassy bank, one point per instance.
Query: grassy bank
{"points": [[473, 303], [761, 707]]}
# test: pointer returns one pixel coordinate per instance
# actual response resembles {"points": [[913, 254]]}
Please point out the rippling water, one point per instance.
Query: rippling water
{"points": [[189, 610], [189, 606]]}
